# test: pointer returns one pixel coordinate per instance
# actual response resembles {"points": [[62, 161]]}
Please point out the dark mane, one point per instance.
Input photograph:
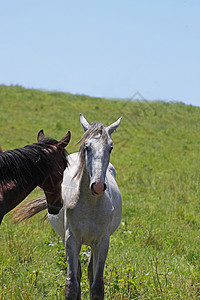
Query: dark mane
{"points": [[28, 163], [94, 129]]}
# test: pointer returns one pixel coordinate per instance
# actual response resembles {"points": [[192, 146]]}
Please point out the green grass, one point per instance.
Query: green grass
{"points": [[155, 252]]}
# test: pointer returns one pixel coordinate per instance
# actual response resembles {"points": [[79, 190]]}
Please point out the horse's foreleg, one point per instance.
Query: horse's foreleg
{"points": [[72, 286], [100, 252], [90, 271]]}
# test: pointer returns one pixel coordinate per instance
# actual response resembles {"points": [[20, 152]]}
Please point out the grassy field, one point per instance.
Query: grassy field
{"points": [[155, 253]]}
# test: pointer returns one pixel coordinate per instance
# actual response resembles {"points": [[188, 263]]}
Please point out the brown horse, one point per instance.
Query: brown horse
{"points": [[40, 164]]}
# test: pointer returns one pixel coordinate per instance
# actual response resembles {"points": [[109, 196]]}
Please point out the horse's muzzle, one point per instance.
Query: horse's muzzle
{"points": [[55, 208], [98, 188]]}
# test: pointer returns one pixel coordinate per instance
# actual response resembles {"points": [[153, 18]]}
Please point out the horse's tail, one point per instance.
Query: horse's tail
{"points": [[28, 210]]}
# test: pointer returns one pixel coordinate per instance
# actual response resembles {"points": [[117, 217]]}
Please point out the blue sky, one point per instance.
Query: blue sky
{"points": [[107, 48]]}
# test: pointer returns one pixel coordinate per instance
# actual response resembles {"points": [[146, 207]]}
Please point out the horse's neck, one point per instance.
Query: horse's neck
{"points": [[13, 194]]}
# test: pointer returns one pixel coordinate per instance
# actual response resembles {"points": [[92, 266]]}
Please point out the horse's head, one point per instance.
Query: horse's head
{"points": [[54, 173], [97, 146]]}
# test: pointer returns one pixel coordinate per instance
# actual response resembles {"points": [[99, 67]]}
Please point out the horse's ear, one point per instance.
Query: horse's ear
{"points": [[65, 141], [84, 122], [1, 151], [113, 126], [40, 136]]}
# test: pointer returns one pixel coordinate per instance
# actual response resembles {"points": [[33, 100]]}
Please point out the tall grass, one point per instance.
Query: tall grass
{"points": [[155, 252]]}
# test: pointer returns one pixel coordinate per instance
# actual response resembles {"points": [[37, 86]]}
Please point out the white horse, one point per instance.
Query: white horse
{"points": [[92, 207]]}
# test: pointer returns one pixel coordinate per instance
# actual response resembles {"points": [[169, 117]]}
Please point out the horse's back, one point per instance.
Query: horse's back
{"points": [[112, 170]]}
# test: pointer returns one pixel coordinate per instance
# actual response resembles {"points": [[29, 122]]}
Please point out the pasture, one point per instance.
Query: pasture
{"points": [[155, 252]]}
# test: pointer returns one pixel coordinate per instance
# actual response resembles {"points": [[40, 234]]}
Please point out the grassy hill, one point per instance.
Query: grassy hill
{"points": [[155, 252]]}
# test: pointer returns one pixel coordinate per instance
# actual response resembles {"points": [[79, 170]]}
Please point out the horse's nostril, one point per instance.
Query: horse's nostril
{"points": [[92, 187], [98, 188]]}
